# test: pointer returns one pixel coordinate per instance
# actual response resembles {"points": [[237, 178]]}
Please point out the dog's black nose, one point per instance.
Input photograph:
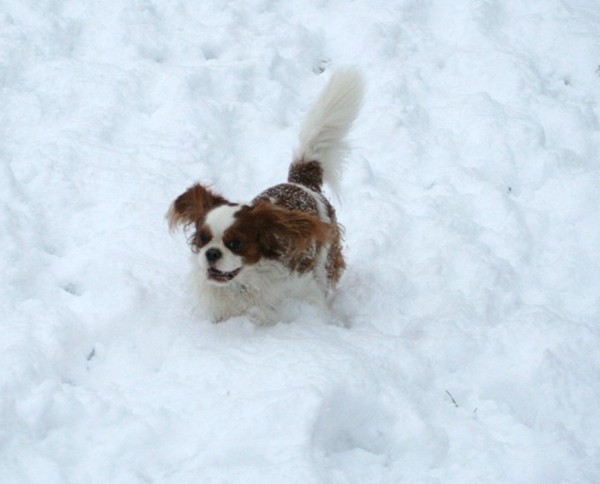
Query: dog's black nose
{"points": [[213, 255]]}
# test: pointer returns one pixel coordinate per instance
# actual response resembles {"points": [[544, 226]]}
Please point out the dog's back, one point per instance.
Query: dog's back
{"points": [[319, 159]]}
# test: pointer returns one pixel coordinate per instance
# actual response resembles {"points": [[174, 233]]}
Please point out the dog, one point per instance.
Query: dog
{"points": [[286, 244]]}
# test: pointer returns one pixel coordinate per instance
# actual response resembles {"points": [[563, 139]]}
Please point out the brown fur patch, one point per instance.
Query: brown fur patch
{"points": [[335, 259], [192, 206], [277, 232], [307, 173], [291, 197]]}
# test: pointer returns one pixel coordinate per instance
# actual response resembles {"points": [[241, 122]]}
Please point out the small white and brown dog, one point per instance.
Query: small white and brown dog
{"points": [[286, 243]]}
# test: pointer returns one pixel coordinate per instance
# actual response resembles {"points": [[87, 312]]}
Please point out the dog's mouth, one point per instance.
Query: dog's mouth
{"points": [[220, 276]]}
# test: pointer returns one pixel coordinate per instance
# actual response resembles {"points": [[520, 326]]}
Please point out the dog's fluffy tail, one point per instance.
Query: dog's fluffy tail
{"points": [[323, 146]]}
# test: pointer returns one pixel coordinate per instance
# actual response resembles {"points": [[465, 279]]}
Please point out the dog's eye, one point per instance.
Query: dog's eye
{"points": [[202, 239], [235, 245]]}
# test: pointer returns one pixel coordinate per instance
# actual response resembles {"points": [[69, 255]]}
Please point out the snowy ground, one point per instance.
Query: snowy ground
{"points": [[472, 211]]}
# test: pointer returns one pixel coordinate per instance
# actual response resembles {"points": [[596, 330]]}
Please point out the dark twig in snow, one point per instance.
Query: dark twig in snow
{"points": [[452, 398]]}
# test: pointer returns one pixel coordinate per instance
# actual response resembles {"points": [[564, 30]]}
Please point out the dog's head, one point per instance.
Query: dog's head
{"points": [[228, 238]]}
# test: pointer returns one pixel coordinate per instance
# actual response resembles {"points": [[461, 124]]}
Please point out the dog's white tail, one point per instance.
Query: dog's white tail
{"points": [[323, 146]]}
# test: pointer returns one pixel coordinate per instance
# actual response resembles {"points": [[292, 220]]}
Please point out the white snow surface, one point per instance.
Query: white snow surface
{"points": [[463, 345]]}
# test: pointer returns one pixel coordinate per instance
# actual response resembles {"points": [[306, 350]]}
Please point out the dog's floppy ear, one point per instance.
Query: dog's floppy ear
{"points": [[281, 230], [192, 205]]}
